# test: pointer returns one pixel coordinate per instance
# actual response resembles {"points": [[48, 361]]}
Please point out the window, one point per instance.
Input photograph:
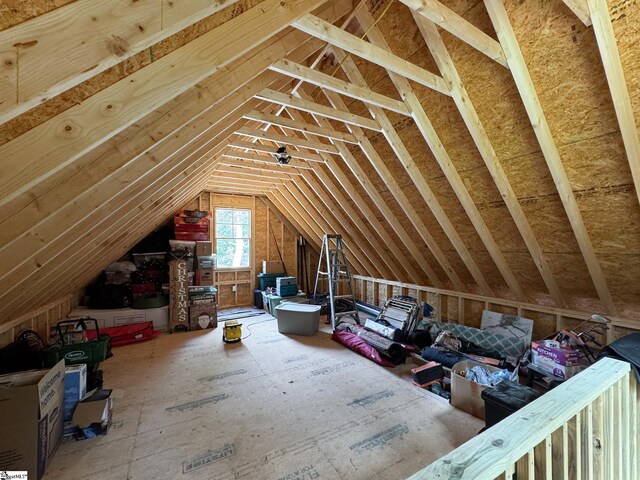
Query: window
{"points": [[233, 237]]}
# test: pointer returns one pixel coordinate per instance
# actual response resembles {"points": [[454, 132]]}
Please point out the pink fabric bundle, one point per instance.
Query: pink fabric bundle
{"points": [[358, 345]]}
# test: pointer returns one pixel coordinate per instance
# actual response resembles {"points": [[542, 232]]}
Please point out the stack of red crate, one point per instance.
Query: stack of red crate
{"points": [[192, 225]]}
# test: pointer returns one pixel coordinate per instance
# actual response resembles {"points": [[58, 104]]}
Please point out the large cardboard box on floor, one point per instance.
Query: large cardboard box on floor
{"points": [[465, 394], [31, 418]]}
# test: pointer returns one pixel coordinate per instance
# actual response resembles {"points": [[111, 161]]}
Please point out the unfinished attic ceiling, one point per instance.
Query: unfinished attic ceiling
{"points": [[494, 151]]}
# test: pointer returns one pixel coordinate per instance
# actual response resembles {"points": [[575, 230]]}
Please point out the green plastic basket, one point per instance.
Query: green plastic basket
{"points": [[91, 352]]}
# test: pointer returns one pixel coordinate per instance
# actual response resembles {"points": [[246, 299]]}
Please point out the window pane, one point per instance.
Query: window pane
{"points": [[241, 217], [224, 215], [224, 230], [246, 231], [232, 253]]}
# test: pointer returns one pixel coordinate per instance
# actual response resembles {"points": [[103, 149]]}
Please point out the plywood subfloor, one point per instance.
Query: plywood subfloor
{"points": [[272, 407]]}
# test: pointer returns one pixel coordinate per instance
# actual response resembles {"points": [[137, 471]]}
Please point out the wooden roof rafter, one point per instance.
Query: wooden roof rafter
{"points": [[450, 21], [282, 121], [607, 44], [319, 79], [287, 140], [330, 33], [327, 223], [230, 153], [391, 219], [334, 200], [581, 10], [486, 150], [305, 105], [392, 260], [78, 32], [403, 155], [32, 156], [440, 154], [530, 99]]}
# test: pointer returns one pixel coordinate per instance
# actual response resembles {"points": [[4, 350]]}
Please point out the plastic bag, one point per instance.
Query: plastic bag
{"points": [[483, 376]]}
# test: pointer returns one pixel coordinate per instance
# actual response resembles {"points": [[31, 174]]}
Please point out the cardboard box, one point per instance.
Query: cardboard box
{"points": [[272, 267], [75, 388], [204, 249], [117, 317], [204, 276], [559, 362], [203, 312], [205, 262], [31, 418], [465, 394]]}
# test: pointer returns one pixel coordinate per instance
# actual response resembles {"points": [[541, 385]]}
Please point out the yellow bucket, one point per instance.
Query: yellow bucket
{"points": [[232, 331]]}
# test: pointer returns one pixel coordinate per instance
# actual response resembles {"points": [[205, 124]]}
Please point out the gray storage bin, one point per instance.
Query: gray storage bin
{"points": [[298, 318]]}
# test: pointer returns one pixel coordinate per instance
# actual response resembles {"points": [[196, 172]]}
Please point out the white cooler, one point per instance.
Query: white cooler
{"points": [[298, 318]]}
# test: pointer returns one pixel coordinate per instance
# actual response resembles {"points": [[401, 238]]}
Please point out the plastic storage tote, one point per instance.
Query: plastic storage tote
{"points": [[298, 318]]}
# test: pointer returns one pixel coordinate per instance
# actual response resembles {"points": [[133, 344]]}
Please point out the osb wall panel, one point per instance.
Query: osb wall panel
{"points": [[543, 324], [245, 294], [41, 319], [625, 16], [17, 11], [473, 313]]}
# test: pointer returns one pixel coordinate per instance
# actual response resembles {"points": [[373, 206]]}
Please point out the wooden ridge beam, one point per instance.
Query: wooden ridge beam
{"points": [[488, 154], [288, 100], [339, 199], [270, 149], [219, 179], [444, 161], [606, 39], [453, 23], [287, 140], [319, 79], [299, 126], [531, 102], [236, 187], [34, 155], [246, 177], [331, 34], [91, 35]]}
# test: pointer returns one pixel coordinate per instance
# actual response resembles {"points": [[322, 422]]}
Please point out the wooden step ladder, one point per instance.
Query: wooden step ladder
{"points": [[336, 272]]}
